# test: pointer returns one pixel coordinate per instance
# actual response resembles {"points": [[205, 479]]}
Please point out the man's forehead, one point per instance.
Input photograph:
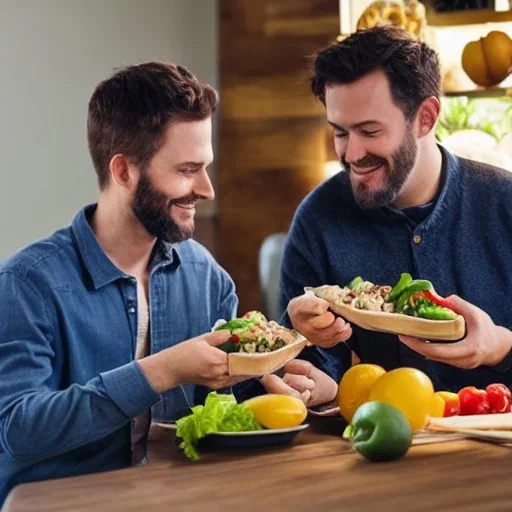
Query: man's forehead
{"points": [[189, 141], [368, 98]]}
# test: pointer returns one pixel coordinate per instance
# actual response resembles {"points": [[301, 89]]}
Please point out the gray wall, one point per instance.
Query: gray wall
{"points": [[52, 54]]}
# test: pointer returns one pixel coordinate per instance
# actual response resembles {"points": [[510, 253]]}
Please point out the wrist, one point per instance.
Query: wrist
{"points": [[504, 337], [158, 370]]}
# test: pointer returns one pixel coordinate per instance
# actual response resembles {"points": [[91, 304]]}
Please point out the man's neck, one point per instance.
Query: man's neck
{"points": [[125, 242], [424, 182]]}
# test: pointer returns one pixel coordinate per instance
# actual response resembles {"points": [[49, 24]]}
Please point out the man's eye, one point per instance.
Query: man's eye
{"points": [[339, 135], [370, 134]]}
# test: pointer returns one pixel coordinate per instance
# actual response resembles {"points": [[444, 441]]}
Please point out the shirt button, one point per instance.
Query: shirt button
{"points": [[416, 239], [131, 310]]}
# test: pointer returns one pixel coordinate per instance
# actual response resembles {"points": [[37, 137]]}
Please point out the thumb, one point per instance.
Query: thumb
{"points": [[216, 338], [461, 306], [299, 367]]}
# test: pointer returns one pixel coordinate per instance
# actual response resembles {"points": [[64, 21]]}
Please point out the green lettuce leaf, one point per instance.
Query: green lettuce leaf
{"points": [[236, 323], [220, 413]]}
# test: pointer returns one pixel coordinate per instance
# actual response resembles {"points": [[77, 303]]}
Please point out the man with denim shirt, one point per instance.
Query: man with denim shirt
{"points": [[94, 317], [402, 204]]}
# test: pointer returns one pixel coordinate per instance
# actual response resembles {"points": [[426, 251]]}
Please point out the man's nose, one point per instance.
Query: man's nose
{"points": [[354, 151], [203, 187]]}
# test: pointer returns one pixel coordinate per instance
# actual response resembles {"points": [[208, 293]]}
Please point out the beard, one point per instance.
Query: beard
{"points": [[152, 208], [396, 173]]}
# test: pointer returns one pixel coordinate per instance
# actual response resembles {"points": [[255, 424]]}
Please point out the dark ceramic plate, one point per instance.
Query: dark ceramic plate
{"points": [[254, 439]]}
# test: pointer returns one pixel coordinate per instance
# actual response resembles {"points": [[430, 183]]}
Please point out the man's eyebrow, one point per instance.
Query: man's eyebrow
{"points": [[190, 164], [356, 125]]}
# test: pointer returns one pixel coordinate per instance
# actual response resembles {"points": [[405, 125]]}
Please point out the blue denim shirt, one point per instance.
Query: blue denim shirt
{"points": [[69, 385]]}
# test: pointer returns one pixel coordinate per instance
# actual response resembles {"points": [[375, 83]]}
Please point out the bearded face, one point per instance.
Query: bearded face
{"points": [[377, 179]]}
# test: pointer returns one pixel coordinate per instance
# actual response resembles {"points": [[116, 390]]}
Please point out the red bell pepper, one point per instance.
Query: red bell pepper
{"points": [[499, 397], [473, 401], [433, 297]]}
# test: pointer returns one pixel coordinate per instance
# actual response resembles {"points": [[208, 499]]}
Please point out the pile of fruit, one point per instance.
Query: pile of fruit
{"points": [[384, 409]]}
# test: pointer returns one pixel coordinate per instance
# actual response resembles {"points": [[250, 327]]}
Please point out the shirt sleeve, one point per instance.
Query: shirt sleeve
{"points": [[505, 366], [38, 419]]}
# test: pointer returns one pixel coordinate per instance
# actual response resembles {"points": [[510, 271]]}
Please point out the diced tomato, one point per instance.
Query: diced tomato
{"points": [[499, 397], [473, 401], [235, 338]]}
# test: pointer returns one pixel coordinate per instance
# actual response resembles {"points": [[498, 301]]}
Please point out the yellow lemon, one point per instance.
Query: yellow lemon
{"points": [[277, 411], [355, 386], [409, 390]]}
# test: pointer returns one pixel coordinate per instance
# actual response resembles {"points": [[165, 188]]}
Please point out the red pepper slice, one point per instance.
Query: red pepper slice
{"points": [[499, 397], [473, 401], [432, 297]]}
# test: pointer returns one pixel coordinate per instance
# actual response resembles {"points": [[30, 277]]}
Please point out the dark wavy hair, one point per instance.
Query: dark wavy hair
{"points": [[130, 112], [411, 66]]}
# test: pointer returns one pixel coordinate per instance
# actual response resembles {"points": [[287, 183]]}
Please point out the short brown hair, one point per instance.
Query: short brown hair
{"points": [[130, 112], [411, 66]]}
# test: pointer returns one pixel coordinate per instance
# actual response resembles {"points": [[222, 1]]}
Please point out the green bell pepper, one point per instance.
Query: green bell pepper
{"points": [[434, 312], [379, 432]]}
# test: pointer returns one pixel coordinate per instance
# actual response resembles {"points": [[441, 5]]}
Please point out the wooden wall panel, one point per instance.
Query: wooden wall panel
{"points": [[272, 143]]}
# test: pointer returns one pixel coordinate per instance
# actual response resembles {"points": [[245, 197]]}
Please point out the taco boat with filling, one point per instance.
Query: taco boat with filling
{"points": [[258, 346], [411, 307]]}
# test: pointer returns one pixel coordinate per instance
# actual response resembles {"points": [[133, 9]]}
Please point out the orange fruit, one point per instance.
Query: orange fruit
{"points": [[277, 411], [355, 387], [409, 390], [488, 60]]}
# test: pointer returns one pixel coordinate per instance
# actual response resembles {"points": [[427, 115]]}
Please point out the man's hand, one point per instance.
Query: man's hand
{"points": [[304, 381], [311, 317], [485, 343], [195, 361]]}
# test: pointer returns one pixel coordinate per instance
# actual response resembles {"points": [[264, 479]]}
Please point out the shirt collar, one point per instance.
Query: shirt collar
{"points": [[98, 265], [449, 171]]}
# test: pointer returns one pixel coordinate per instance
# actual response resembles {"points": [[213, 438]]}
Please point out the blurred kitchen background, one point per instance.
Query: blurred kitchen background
{"points": [[271, 139]]}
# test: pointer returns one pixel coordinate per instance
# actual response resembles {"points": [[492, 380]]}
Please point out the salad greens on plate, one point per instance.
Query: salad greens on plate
{"points": [[220, 413]]}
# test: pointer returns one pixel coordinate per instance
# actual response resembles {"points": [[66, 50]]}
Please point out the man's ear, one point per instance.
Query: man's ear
{"points": [[119, 168], [427, 116]]}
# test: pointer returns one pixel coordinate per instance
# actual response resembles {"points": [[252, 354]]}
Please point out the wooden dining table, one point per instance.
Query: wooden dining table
{"points": [[318, 472]]}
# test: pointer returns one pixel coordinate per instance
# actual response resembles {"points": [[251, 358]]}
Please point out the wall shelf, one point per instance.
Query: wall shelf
{"points": [[466, 17], [492, 92]]}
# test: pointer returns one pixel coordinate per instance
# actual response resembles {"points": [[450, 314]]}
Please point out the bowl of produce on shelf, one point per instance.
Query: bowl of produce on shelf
{"points": [[478, 128]]}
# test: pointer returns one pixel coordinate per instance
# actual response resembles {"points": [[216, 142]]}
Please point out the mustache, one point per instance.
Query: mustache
{"points": [[190, 199], [368, 161]]}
